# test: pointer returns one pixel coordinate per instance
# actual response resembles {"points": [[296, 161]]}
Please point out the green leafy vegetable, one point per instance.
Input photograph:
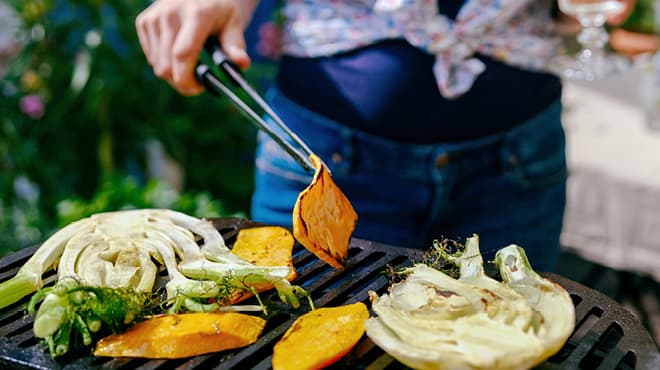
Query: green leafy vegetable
{"points": [[71, 313]]}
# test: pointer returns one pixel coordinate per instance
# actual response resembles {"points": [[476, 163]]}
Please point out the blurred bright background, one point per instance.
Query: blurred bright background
{"points": [[86, 127]]}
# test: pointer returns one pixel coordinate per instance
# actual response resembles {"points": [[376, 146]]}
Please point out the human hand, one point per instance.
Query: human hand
{"points": [[172, 34]]}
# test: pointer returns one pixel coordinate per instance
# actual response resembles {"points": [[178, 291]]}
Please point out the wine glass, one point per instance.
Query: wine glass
{"points": [[592, 61]]}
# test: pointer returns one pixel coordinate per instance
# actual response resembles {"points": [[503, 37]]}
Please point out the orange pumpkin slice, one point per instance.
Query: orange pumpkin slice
{"points": [[183, 335], [265, 246], [323, 218], [320, 337]]}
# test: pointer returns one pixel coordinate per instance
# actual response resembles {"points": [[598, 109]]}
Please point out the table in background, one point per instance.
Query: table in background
{"points": [[613, 210]]}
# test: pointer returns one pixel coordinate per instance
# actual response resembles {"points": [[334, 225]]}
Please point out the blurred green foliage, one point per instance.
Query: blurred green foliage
{"points": [[642, 18], [83, 151]]}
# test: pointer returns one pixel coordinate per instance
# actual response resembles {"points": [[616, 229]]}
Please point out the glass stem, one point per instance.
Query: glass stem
{"points": [[593, 37]]}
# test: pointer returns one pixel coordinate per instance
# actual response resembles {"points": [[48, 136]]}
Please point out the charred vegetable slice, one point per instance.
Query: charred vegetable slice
{"points": [[320, 337], [323, 218], [183, 335]]}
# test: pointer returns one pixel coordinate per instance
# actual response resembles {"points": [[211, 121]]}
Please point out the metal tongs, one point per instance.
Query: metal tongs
{"points": [[213, 84]]}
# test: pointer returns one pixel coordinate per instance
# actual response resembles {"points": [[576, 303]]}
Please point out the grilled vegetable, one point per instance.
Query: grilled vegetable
{"points": [[555, 319], [183, 335], [119, 250], [266, 246], [71, 313], [320, 337], [432, 321], [323, 218]]}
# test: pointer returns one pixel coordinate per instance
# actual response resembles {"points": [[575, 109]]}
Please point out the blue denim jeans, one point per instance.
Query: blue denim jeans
{"points": [[508, 188]]}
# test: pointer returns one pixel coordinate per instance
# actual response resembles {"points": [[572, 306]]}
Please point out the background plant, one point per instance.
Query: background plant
{"points": [[80, 111]]}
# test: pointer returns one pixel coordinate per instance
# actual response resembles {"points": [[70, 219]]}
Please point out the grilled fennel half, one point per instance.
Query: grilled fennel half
{"points": [[433, 321]]}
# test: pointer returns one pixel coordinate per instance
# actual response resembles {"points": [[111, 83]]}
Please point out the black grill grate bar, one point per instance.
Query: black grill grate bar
{"points": [[121, 363], [17, 325], [582, 349], [308, 266], [329, 299], [264, 364], [28, 358], [193, 363], [383, 361], [16, 260], [137, 362], [366, 265], [330, 276], [9, 273], [302, 256], [613, 359], [155, 364], [379, 285], [10, 316], [89, 362], [23, 336], [584, 310], [309, 274]]}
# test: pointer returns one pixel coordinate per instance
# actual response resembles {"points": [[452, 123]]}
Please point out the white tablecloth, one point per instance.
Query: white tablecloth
{"points": [[613, 210]]}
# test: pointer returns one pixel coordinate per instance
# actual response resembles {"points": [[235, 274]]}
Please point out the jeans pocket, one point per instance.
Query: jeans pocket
{"points": [[537, 160]]}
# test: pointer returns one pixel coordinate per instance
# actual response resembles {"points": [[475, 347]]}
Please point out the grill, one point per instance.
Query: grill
{"points": [[606, 335]]}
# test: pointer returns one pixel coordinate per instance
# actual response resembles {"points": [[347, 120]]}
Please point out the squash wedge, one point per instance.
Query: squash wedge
{"points": [[183, 335], [264, 246], [320, 337], [323, 218]]}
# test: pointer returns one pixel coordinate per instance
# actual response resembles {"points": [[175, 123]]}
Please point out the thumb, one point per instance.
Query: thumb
{"points": [[233, 43]]}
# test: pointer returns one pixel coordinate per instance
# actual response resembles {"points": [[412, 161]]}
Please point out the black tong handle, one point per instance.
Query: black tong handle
{"points": [[220, 59], [212, 84]]}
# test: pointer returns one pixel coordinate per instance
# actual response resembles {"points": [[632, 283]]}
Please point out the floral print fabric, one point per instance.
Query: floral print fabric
{"points": [[518, 32]]}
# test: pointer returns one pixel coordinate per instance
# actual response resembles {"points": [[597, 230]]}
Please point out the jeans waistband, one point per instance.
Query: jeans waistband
{"points": [[412, 160]]}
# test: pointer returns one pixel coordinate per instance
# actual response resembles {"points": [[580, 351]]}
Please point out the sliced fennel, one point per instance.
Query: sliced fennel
{"points": [[433, 321], [120, 252], [556, 313]]}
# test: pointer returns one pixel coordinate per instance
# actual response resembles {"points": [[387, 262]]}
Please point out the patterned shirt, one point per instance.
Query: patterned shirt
{"points": [[517, 32]]}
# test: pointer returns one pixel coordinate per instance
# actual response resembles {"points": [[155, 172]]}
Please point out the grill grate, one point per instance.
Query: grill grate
{"points": [[606, 335]]}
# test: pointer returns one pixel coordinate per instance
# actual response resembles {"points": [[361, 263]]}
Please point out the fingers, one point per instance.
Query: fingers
{"points": [[172, 34], [168, 27], [185, 52], [233, 43], [150, 29], [142, 32]]}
